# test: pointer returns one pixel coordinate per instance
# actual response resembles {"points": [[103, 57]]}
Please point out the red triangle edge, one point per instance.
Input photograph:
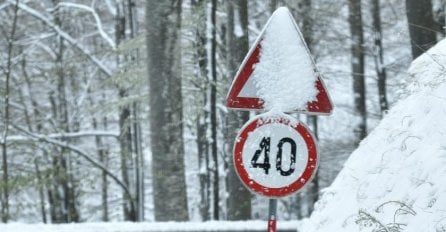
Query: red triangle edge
{"points": [[245, 71], [322, 104]]}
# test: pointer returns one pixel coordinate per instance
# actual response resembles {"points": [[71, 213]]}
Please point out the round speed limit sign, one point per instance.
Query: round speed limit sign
{"points": [[275, 155]]}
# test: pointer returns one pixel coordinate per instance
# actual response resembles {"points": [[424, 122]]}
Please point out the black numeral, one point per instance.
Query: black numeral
{"points": [[279, 156], [265, 145]]}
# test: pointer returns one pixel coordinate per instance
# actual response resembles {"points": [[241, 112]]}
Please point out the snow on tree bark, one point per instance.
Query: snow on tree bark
{"points": [[4, 197], [199, 8], [357, 64], [239, 199], [163, 20], [378, 56]]}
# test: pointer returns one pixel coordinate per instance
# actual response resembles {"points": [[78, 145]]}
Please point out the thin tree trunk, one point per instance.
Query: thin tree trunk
{"points": [[357, 63], [125, 154], [239, 199], [41, 190], [378, 56], [136, 127], [38, 126], [139, 163], [242, 44], [125, 129], [5, 174], [272, 6], [305, 8], [64, 178], [104, 189], [104, 159], [203, 168], [54, 195], [213, 115], [298, 206], [5, 183], [421, 25], [199, 8]]}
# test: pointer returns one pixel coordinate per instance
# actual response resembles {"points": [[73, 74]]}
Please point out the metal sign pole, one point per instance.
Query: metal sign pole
{"points": [[272, 215]]}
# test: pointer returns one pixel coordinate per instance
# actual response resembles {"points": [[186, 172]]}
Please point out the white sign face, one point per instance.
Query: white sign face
{"points": [[275, 156]]}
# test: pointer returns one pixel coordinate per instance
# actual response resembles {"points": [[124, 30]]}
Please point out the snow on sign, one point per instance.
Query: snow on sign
{"points": [[279, 72], [275, 155]]}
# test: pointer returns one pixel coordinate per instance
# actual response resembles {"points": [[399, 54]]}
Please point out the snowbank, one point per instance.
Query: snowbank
{"points": [[396, 179]]}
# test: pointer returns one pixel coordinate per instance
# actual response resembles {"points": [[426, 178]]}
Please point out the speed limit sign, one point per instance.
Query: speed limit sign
{"points": [[275, 155]]}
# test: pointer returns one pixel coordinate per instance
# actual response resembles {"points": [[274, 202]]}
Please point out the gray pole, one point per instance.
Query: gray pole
{"points": [[272, 215]]}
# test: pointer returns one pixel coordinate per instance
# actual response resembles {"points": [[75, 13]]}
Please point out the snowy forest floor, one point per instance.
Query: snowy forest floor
{"points": [[216, 226]]}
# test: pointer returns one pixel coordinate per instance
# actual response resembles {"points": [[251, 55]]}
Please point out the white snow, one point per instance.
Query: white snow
{"points": [[285, 76], [148, 226], [395, 180]]}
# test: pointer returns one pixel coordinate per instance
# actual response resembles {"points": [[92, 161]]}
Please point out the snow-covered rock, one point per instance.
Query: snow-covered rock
{"points": [[396, 179]]}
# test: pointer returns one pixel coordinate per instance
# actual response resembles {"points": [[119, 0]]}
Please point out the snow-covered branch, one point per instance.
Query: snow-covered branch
{"points": [[64, 35], [110, 7], [96, 18], [76, 150], [70, 135]]}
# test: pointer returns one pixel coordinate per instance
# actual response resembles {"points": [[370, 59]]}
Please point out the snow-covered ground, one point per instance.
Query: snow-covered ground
{"points": [[148, 227], [396, 179]]}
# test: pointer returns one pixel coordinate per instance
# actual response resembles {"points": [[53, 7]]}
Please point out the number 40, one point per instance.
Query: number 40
{"points": [[265, 147]]}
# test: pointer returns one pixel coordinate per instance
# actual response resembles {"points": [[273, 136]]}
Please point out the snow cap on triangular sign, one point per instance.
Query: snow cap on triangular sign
{"points": [[279, 72]]}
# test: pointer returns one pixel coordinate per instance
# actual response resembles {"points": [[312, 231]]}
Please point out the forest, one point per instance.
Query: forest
{"points": [[114, 110]]}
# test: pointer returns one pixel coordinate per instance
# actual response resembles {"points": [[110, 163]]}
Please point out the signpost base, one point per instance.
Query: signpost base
{"points": [[272, 215]]}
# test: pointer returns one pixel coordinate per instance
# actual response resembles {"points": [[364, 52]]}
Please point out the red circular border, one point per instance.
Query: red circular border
{"points": [[300, 182]]}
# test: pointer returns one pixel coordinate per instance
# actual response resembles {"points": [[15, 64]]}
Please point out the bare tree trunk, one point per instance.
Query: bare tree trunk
{"points": [[5, 174], [139, 163], [421, 25], [102, 150], [125, 129], [69, 208], [213, 115], [136, 127], [357, 63], [203, 168], [272, 6], [378, 56], [163, 20], [104, 190], [63, 189], [40, 178], [102, 158], [305, 8], [30, 122], [54, 195], [41, 190], [239, 200], [199, 8]]}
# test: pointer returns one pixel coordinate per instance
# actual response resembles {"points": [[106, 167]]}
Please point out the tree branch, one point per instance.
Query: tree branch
{"points": [[66, 36], [95, 15], [70, 135], [81, 153]]}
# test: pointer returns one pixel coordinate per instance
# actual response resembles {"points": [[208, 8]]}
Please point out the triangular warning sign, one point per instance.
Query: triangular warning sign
{"points": [[244, 92]]}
